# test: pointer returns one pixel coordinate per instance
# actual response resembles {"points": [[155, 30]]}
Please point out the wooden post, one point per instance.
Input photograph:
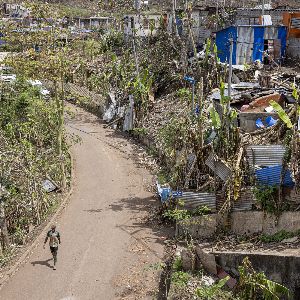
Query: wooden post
{"points": [[230, 71]]}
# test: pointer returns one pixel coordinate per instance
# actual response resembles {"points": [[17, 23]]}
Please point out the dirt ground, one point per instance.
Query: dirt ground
{"points": [[109, 248]]}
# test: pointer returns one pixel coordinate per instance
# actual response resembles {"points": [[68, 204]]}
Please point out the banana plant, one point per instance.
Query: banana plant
{"points": [[215, 118], [282, 114]]}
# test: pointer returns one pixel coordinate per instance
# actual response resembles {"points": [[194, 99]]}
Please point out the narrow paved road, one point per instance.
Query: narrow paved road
{"points": [[107, 246]]}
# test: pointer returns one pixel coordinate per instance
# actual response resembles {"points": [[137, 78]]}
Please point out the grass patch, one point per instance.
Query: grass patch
{"points": [[278, 236]]}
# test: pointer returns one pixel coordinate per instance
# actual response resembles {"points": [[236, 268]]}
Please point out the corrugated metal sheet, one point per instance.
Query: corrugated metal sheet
{"points": [[193, 200], [218, 167], [271, 33], [244, 48], [295, 23], [270, 176], [267, 20], [245, 201], [129, 115], [265, 155]]}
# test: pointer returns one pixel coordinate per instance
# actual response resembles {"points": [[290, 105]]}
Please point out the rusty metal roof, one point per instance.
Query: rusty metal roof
{"points": [[218, 166], [265, 155]]}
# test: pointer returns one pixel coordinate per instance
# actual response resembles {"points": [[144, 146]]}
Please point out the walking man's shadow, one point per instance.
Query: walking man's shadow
{"points": [[43, 263]]}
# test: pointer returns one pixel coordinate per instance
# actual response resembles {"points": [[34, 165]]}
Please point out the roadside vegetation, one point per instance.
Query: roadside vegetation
{"points": [[251, 285], [35, 164], [29, 157]]}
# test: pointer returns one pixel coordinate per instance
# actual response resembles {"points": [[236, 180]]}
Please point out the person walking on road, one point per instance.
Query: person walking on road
{"points": [[54, 239]]}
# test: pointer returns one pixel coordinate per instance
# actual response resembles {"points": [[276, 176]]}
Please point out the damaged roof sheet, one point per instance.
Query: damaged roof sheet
{"points": [[235, 90], [193, 200], [218, 166], [265, 155]]}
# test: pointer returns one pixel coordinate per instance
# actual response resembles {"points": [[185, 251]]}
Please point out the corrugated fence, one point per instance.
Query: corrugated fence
{"points": [[265, 155], [193, 200]]}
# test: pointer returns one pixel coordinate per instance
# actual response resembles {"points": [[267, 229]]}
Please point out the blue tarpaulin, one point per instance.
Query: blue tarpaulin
{"points": [[223, 44], [258, 46], [249, 42], [271, 176], [282, 35]]}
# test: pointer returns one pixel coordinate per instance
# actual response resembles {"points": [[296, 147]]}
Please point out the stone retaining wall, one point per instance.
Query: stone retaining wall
{"points": [[258, 222]]}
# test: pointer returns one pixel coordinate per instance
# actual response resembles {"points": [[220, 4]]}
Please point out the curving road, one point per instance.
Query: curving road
{"points": [[107, 244]]}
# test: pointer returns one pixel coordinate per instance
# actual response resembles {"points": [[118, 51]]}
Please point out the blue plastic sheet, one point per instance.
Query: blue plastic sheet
{"points": [[259, 123], [271, 176], [163, 192]]}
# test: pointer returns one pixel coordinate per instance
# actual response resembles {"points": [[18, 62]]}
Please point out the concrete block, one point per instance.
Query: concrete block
{"points": [[188, 260], [198, 227], [207, 260], [247, 222]]}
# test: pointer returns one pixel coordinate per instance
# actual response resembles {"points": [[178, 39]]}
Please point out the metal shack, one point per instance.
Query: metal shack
{"points": [[292, 21], [251, 43]]}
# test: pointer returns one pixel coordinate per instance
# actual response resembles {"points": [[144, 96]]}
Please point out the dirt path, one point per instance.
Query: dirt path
{"points": [[107, 244]]}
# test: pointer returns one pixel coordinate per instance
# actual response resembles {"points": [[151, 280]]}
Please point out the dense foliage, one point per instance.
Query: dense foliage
{"points": [[28, 156]]}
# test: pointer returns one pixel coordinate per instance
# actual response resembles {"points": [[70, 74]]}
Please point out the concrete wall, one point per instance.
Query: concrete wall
{"points": [[198, 227], [250, 222], [241, 223], [283, 269], [248, 119]]}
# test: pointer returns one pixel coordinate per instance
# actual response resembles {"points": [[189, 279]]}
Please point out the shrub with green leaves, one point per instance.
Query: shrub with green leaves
{"points": [[215, 291], [180, 278], [255, 285], [278, 236], [28, 156]]}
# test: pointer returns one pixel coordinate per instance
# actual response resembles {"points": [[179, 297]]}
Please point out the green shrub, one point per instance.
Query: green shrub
{"points": [[180, 278], [177, 264], [278, 236]]}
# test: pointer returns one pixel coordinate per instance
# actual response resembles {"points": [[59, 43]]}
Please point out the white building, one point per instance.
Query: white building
{"points": [[15, 10]]}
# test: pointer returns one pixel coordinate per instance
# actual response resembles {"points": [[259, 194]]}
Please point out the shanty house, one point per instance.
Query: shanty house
{"points": [[251, 43], [292, 21]]}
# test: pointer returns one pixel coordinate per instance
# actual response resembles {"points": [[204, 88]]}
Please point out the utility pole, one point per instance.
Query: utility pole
{"points": [[263, 11]]}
